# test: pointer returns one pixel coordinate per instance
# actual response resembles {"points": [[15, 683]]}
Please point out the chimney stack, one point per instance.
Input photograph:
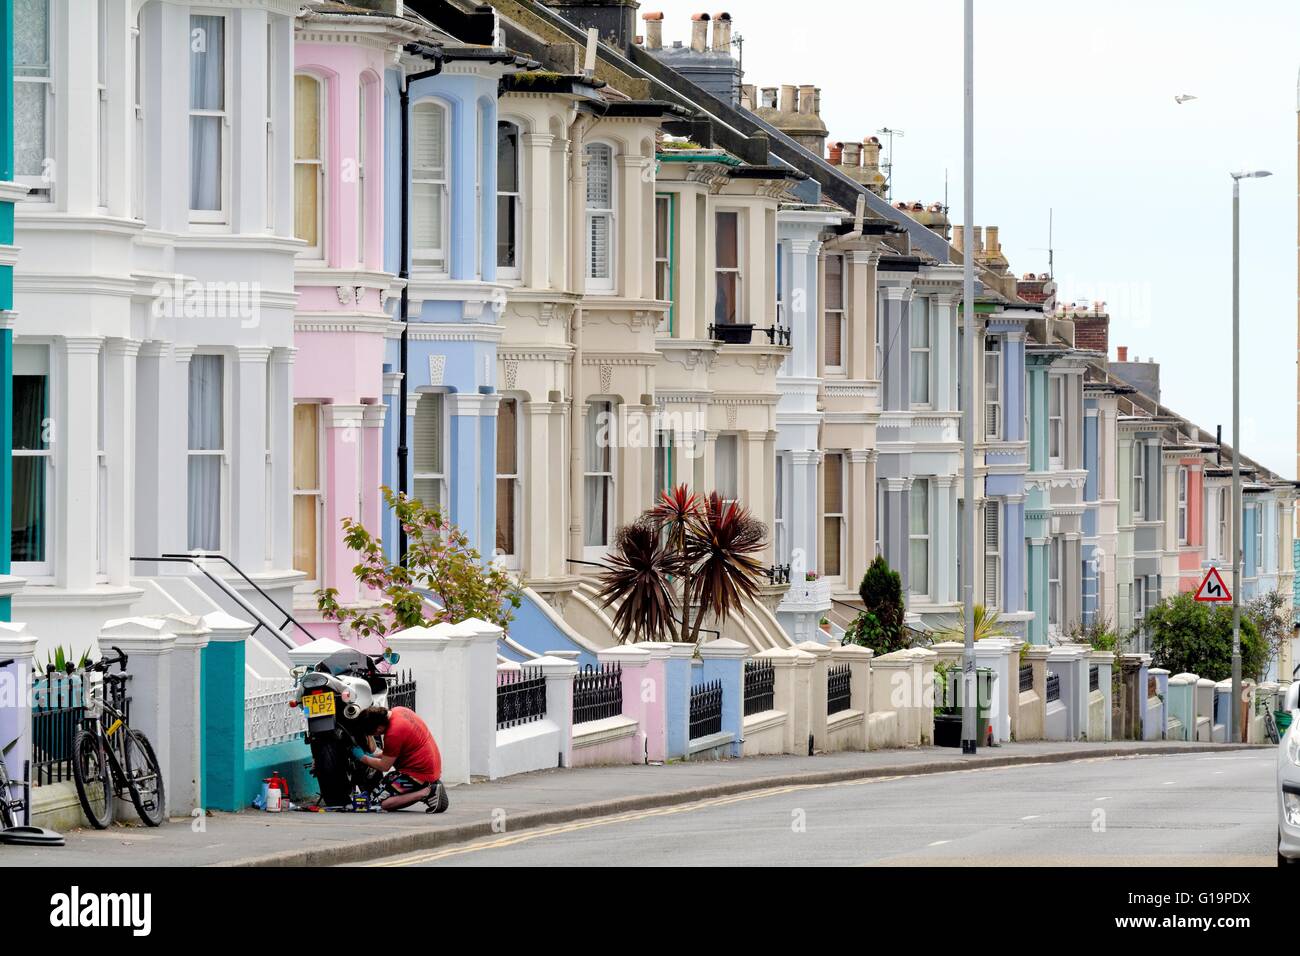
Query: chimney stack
{"points": [[978, 232], [1122, 353], [991, 244], [958, 238], [852, 153], [700, 32], [722, 33], [789, 99], [654, 30], [807, 99], [747, 100], [768, 100]]}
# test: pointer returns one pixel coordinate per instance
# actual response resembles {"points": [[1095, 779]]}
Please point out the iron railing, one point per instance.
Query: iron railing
{"points": [[597, 693], [58, 710], [1053, 687], [401, 692], [839, 689], [1026, 677], [778, 573], [706, 709], [777, 334], [760, 687], [521, 698], [1094, 678]]}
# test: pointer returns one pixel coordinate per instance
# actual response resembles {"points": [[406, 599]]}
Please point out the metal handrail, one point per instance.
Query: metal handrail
{"points": [[288, 618], [258, 616]]}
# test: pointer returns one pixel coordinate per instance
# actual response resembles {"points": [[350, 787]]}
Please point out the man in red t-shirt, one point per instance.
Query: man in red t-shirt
{"points": [[408, 748]]}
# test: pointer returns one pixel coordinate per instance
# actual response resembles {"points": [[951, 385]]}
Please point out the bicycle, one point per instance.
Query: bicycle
{"points": [[107, 759], [10, 806]]}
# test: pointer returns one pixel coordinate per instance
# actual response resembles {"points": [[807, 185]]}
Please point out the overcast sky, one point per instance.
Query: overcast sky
{"points": [[1075, 112]]}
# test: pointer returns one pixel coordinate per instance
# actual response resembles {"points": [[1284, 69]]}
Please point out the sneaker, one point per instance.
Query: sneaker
{"points": [[436, 801]]}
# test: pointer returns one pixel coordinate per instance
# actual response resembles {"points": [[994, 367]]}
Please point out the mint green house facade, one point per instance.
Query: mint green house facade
{"points": [[10, 192]]}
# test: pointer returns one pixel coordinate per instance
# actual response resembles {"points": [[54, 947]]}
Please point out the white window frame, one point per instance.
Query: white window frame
{"points": [[434, 260], [364, 110], [214, 217], [137, 98], [1259, 538], [992, 388], [1183, 480], [317, 493], [101, 104], [516, 199], [778, 510], [511, 558], [664, 263], [271, 74], [1055, 590], [441, 474], [608, 213], [921, 538], [101, 469], [596, 408], [41, 186], [222, 454], [922, 349], [1139, 480], [993, 552], [32, 360], [738, 270], [1139, 598], [665, 463], [834, 315], [832, 460], [1224, 507], [1056, 422], [315, 251], [727, 449]]}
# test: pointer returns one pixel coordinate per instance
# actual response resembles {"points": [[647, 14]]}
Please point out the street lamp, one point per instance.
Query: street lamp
{"points": [[1234, 711], [968, 733]]}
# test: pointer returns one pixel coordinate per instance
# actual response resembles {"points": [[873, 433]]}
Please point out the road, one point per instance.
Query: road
{"points": [[1177, 810]]}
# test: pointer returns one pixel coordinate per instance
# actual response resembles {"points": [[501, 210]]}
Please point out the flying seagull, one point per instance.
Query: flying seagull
{"points": [[1182, 98]]}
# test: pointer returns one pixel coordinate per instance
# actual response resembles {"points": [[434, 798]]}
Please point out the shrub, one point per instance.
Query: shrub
{"points": [[880, 625], [1190, 636]]}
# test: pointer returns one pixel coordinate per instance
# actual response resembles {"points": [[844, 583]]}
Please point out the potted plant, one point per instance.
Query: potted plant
{"points": [[825, 624], [734, 333]]}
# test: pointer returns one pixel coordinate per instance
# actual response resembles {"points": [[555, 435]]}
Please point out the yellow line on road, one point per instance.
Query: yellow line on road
{"points": [[629, 817]]}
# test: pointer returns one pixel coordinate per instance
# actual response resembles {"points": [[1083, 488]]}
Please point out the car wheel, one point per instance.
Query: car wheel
{"points": [[1282, 860]]}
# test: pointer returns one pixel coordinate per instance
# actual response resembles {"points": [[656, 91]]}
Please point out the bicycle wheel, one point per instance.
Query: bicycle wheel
{"points": [[94, 778], [6, 797], [144, 778]]}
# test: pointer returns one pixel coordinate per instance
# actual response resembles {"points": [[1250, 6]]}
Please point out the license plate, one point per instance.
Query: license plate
{"points": [[319, 705]]}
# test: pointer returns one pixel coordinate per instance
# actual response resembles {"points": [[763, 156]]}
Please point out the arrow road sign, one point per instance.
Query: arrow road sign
{"points": [[1212, 587]]}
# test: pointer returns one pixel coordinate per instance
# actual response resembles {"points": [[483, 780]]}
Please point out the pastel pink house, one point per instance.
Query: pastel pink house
{"points": [[1189, 520], [340, 323]]}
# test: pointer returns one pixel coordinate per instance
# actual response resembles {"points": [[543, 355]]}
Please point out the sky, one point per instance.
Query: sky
{"points": [[1075, 114]]}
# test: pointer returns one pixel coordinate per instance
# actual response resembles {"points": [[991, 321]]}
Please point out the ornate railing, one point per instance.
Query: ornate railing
{"points": [[521, 697], [1026, 677], [706, 709], [760, 687], [268, 718], [839, 689], [1053, 687], [597, 693]]}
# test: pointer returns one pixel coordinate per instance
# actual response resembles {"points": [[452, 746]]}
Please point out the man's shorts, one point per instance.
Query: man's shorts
{"points": [[396, 784]]}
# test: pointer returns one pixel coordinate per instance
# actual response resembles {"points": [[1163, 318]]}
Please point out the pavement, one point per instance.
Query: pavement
{"points": [[533, 801]]}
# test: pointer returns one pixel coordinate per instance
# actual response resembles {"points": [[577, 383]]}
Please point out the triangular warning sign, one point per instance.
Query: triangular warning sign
{"points": [[1212, 587]]}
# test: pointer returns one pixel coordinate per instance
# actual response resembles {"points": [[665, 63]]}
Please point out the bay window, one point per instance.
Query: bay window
{"points": [[429, 183], [992, 388], [307, 489], [429, 436], [920, 351], [1054, 594], [507, 477], [309, 163], [598, 459], [33, 96], [600, 217], [508, 208], [664, 227], [833, 311], [209, 95], [918, 533], [32, 461], [1139, 480], [1055, 420], [1182, 505], [207, 450], [833, 514], [726, 268]]}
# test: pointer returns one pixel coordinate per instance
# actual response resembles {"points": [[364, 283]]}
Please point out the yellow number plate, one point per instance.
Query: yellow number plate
{"points": [[319, 705]]}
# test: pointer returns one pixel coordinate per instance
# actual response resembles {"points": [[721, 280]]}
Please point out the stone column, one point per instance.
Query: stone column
{"points": [[891, 691], [859, 661], [184, 784], [222, 747], [250, 511], [817, 690], [148, 644], [559, 675], [791, 670], [1036, 656], [634, 664], [1012, 695], [724, 661], [422, 654], [75, 439], [994, 653], [120, 454], [861, 502]]}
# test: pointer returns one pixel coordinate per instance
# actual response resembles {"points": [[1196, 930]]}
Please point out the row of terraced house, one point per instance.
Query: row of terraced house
{"points": [[535, 264]]}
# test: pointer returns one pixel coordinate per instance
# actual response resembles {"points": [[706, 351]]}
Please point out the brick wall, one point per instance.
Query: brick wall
{"points": [[1092, 333]]}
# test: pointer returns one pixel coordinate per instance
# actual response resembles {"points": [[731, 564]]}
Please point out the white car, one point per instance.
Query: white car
{"points": [[1288, 783]]}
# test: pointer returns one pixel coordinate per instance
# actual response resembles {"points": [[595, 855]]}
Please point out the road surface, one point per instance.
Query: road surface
{"points": [[1177, 810]]}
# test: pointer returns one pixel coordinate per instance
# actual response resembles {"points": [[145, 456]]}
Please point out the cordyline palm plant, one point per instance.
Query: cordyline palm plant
{"points": [[686, 551], [986, 625]]}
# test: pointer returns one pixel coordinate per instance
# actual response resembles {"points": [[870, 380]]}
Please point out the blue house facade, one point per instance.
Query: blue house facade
{"points": [[440, 428]]}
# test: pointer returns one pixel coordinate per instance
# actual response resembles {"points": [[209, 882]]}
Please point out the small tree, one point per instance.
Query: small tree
{"points": [[1097, 634], [439, 564], [880, 625], [1273, 614], [1189, 636]]}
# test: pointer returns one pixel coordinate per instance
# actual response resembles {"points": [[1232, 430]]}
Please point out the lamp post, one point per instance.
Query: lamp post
{"points": [[968, 735], [1234, 711]]}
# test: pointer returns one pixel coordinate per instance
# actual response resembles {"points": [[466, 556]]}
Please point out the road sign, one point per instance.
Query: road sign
{"points": [[1212, 588]]}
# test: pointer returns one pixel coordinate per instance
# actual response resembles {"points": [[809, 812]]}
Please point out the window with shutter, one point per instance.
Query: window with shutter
{"points": [[992, 554], [427, 437], [308, 167], [833, 326], [429, 185], [600, 216]]}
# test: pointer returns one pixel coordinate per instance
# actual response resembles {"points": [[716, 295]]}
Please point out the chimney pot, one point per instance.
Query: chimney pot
{"points": [[722, 33], [979, 239], [654, 30], [991, 242], [1122, 353], [836, 154], [852, 154], [700, 32], [807, 99], [789, 98]]}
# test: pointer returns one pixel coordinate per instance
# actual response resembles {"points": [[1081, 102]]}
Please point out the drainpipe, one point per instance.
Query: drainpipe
{"points": [[404, 267], [577, 282]]}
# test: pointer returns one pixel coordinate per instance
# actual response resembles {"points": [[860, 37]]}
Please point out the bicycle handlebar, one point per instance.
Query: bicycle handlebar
{"points": [[104, 663]]}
